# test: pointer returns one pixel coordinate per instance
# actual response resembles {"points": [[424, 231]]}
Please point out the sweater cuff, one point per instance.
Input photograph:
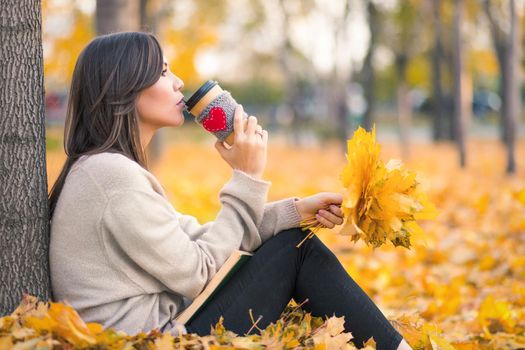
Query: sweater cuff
{"points": [[250, 190], [240, 173], [290, 213], [279, 216]]}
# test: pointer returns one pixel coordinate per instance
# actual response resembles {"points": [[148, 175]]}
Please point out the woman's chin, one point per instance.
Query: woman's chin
{"points": [[176, 122]]}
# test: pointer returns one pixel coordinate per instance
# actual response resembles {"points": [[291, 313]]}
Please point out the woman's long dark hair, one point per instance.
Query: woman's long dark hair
{"points": [[101, 113]]}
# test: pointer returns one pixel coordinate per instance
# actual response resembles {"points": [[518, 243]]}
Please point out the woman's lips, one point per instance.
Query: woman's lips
{"points": [[181, 102]]}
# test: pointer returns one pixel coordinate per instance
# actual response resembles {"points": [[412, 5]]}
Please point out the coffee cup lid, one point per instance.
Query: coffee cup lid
{"points": [[192, 101]]}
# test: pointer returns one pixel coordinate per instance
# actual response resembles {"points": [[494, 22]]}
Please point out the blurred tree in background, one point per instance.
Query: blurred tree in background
{"points": [[460, 82], [315, 70], [405, 40], [503, 23], [118, 15]]}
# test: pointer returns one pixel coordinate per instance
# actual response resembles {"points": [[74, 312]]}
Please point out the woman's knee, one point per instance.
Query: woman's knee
{"points": [[296, 235], [316, 246], [292, 235], [286, 238]]}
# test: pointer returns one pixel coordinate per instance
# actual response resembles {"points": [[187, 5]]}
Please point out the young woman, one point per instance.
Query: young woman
{"points": [[122, 256]]}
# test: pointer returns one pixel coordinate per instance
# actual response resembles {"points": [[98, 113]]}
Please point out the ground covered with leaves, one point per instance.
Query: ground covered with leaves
{"points": [[462, 285], [38, 325]]}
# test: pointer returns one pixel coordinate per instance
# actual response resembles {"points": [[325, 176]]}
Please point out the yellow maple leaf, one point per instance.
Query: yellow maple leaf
{"points": [[520, 196], [410, 327], [165, 342], [435, 337], [331, 334], [495, 316], [64, 321], [335, 325]]}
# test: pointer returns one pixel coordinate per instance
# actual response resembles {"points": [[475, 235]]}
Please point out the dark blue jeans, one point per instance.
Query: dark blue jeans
{"points": [[279, 271]]}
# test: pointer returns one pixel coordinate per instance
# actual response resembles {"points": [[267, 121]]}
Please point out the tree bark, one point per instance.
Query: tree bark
{"points": [[24, 231], [129, 15], [439, 131], [506, 48], [339, 81], [143, 15], [404, 106], [501, 47], [149, 23], [341, 112], [290, 83], [459, 83], [510, 118], [117, 15], [368, 72]]}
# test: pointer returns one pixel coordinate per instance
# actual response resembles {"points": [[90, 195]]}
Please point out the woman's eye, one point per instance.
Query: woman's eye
{"points": [[164, 72]]}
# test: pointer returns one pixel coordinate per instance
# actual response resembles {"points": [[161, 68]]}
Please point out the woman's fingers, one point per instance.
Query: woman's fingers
{"points": [[252, 124], [335, 219], [237, 121], [336, 210], [323, 221]]}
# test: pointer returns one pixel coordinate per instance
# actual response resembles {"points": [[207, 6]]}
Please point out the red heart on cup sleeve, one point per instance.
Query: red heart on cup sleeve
{"points": [[216, 120]]}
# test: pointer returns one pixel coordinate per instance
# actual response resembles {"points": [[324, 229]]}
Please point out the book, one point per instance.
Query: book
{"points": [[227, 270]]}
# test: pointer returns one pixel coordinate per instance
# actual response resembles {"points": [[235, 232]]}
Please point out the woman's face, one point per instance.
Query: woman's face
{"points": [[162, 103]]}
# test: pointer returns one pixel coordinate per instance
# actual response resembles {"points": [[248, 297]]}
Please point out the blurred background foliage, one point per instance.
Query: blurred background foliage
{"points": [[315, 70]]}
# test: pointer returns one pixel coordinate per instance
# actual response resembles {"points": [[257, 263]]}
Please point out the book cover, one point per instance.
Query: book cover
{"points": [[227, 270]]}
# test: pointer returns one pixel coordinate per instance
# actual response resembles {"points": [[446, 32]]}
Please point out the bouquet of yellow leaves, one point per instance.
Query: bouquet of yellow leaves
{"points": [[381, 201]]}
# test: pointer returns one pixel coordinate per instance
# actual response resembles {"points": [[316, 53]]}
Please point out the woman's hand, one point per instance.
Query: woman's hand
{"points": [[248, 152], [325, 207]]}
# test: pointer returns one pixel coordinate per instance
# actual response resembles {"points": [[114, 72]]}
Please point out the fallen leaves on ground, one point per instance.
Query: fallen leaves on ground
{"points": [[462, 284], [38, 325]]}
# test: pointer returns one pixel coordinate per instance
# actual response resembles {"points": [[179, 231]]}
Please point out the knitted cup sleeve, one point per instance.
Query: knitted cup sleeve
{"points": [[226, 102]]}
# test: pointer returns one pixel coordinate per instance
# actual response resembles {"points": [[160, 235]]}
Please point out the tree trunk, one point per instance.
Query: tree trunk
{"points": [[501, 47], [117, 15], [439, 124], [506, 48], [368, 73], [149, 23], [291, 95], [143, 16], [512, 89], [340, 110], [450, 124], [24, 231], [459, 83], [404, 106], [129, 15], [339, 80]]}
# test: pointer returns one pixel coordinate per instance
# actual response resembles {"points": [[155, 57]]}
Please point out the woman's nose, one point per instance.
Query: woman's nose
{"points": [[178, 84]]}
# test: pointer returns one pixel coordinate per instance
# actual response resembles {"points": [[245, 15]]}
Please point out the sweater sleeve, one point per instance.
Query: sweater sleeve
{"points": [[145, 227], [278, 216]]}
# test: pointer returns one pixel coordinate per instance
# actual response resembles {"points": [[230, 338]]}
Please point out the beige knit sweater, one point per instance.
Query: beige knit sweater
{"points": [[122, 256]]}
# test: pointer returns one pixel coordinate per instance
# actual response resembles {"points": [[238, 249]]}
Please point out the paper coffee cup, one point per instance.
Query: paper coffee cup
{"points": [[213, 108]]}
